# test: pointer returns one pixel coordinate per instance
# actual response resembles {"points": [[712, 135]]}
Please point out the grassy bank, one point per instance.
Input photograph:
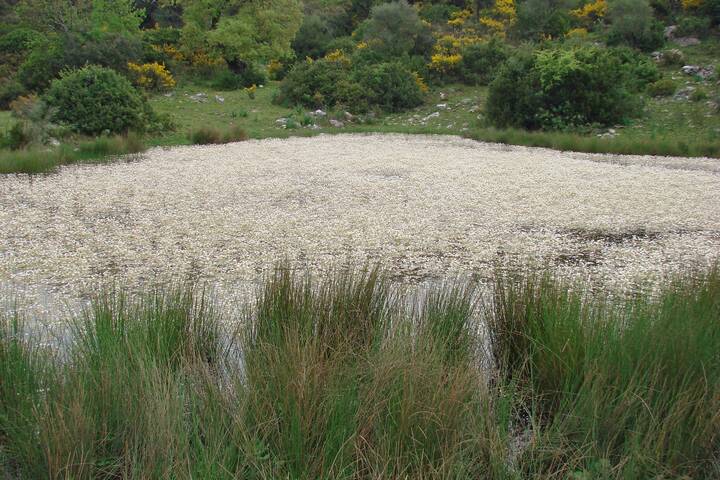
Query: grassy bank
{"points": [[102, 150], [665, 146], [339, 378], [99, 150]]}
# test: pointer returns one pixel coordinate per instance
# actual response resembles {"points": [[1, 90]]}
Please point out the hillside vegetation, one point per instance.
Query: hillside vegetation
{"points": [[622, 76]]}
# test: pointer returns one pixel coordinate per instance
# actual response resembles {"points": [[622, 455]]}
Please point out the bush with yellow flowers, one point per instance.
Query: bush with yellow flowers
{"points": [[153, 77], [446, 57], [498, 19], [691, 4], [170, 52], [338, 56], [591, 12], [250, 91], [445, 63], [577, 33]]}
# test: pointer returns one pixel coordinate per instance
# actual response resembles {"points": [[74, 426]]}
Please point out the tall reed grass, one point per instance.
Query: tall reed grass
{"points": [[350, 376]]}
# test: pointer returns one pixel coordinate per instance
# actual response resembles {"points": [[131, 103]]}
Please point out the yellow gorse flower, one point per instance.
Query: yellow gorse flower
{"points": [[591, 11], [445, 63], [577, 33], [151, 76], [338, 56], [251, 91]]}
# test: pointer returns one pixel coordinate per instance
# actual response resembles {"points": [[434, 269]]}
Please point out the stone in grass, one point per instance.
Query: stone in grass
{"points": [[281, 121], [219, 99], [336, 123], [318, 113], [670, 32], [698, 71], [684, 93], [432, 115], [199, 97], [687, 41], [669, 57]]}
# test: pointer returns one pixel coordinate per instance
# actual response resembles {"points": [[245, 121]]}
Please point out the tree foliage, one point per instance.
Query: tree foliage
{"points": [[241, 31], [396, 28], [97, 16]]}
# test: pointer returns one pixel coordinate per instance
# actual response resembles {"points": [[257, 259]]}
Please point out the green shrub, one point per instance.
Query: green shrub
{"points": [[10, 89], [352, 96], [226, 79], [16, 138], [52, 55], [662, 88], [641, 69], [93, 100], [41, 66], [632, 23], [562, 88], [313, 37], [34, 124], [693, 26], [17, 40], [314, 84], [481, 61], [437, 13], [391, 86], [330, 83], [395, 29], [111, 50], [344, 44], [369, 56], [537, 19]]}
